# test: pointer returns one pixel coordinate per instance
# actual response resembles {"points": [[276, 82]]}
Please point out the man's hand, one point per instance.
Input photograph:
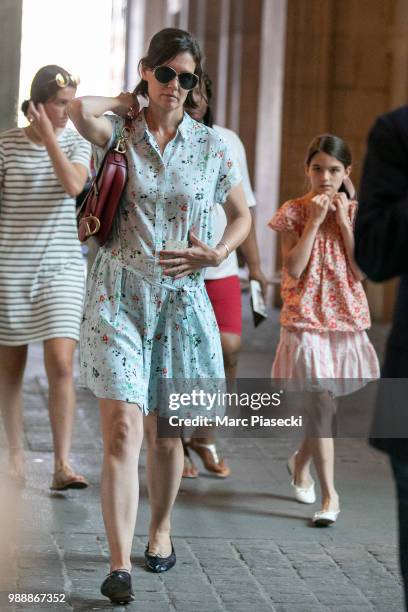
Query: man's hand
{"points": [[257, 274]]}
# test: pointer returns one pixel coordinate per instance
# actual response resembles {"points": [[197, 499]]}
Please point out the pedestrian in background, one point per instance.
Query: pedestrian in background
{"points": [[382, 252], [43, 167], [223, 285]]}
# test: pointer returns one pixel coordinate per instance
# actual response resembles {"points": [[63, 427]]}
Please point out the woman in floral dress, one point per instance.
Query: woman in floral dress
{"points": [[147, 315]]}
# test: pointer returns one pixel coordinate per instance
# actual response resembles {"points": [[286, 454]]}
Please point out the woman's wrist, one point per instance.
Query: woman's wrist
{"points": [[222, 251], [49, 139], [124, 103]]}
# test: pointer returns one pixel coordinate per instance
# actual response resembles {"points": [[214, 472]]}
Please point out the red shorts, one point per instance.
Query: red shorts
{"points": [[225, 297]]}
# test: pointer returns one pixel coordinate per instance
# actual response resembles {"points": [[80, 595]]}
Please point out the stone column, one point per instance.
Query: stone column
{"points": [[268, 111], [10, 41], [212, 32], [135, 40], [222, 64], [307, 86], [233, 75], [256, 14], [156, 18], [399, 53], [197, 21], [183, 16], [383, 296]]}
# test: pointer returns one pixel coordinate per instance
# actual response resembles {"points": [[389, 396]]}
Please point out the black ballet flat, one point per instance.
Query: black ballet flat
{"points": [[158, 564], [117, 586]]}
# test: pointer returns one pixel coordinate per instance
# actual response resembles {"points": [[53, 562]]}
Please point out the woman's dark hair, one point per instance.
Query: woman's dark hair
{"points": [[208, 118], [44, 85], [333, 146], [164, 46]]}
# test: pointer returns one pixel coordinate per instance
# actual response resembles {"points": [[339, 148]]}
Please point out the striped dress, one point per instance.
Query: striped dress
{"points": [[41, 268]]}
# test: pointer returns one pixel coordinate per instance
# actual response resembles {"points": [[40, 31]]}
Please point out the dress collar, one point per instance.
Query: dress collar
{"points": [[140, 127]]}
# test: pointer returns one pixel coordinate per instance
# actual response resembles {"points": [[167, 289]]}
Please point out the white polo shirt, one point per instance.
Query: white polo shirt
{"points": [[229, 266]]}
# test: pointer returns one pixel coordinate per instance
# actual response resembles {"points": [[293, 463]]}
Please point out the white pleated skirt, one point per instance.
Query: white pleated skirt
{"points": [[338, 362]]}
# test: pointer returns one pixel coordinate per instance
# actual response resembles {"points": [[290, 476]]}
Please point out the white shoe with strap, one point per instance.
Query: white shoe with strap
{"points": [[324, 518], [304, 495]]}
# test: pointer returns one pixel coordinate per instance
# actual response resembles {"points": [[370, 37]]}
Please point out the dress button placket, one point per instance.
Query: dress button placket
{"points": [[159, 228]]}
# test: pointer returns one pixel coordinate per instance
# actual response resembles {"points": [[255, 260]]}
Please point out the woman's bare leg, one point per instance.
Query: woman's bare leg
{"points": [[58, 359], [122, 431], [164, 471], [231, 346], [12, 365]]}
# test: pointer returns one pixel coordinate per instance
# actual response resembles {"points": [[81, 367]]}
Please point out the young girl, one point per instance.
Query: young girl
{"points": [[325, 311]]}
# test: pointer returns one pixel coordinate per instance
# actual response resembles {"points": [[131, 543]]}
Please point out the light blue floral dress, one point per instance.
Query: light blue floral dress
{"points": [[140, 326]]}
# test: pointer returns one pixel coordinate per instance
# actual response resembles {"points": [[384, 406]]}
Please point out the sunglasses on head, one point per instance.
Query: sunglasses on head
{"points": [[165, 74], [63, 80]]}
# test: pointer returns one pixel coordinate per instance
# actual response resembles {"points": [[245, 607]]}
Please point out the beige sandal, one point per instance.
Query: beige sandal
{"points": [[65, 478], [209, 456]]}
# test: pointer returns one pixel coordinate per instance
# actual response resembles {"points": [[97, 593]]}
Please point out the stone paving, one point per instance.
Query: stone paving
{"points": [[242, 544]]}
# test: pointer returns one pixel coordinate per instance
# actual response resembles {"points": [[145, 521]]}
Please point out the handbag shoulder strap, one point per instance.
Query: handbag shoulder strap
{"points": [[120, 146]]}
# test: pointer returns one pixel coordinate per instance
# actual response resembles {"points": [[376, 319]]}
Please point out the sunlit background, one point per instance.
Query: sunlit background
{"points": [[282, 72], [86, 37]]}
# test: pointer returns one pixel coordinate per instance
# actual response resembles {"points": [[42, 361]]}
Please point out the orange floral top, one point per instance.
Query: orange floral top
{"points": [[327, 297]]}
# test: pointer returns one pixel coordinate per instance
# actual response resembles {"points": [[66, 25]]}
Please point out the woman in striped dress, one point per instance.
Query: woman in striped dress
{"points": [[42, 168]]}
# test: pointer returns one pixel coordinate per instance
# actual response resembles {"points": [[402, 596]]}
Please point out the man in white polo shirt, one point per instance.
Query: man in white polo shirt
{"points": [[223, 285]]}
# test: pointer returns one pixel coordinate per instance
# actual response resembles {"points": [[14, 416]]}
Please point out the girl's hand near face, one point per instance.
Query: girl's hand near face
{"points": [[319, 207], [181, 262], [342, 204], [38, 118]]}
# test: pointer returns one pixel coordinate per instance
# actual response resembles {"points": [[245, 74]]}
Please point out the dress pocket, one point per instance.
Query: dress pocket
{"points": [[105, 291]]}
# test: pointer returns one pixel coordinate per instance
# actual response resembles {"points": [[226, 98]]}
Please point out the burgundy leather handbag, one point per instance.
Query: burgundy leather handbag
{"points": [[95, 216]]}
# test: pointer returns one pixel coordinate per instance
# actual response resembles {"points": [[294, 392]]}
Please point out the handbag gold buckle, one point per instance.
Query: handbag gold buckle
{"points": [[121, 144], [89, 231]]}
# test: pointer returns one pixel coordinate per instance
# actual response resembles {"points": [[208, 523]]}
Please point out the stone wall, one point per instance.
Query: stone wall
{"points": [[10, 38], [340, 74], [337, 78]]}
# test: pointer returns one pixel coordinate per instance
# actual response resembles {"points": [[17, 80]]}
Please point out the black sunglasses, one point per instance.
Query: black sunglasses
{"points": [[165, 74]]}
